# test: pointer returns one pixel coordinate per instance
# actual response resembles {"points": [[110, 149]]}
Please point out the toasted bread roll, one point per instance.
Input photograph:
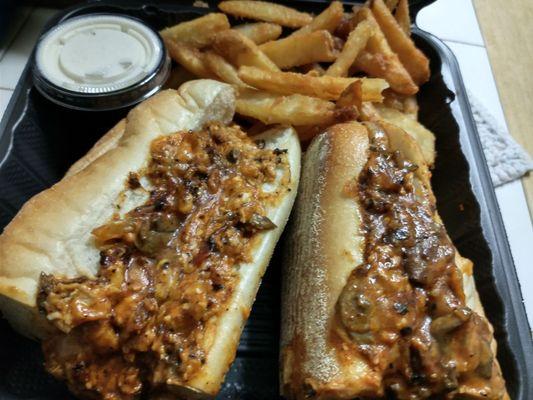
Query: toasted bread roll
{"points": [[115, 267], [376, 300]]}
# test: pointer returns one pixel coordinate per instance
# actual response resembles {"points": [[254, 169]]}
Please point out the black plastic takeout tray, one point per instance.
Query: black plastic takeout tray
{"points": [[40, 140]]}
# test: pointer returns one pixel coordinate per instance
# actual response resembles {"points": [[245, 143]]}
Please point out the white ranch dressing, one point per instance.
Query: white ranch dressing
{"points": [[98, 53]]}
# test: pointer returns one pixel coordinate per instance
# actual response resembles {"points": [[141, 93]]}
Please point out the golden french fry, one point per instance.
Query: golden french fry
{"points": [[198, 32], [393, 100], [406, 104], [391, 4], [410, 107], [324, 87], [189, 57], [347, 24], [369, 112], [351, 96], [328, 20], [239, 50], [348, 106], [424, 137], [378, 59], [345, 114], [355, 43], [357, 7], [260, 32], [402, 16], [265, 11], [222, 69], [307, 48], [314, 69], [414, 61], [389, 68], [291, 110]]}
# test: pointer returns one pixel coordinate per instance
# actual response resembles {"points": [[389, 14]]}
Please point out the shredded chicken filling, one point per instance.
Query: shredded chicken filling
{"points": [[167, 268], [404, 308]]}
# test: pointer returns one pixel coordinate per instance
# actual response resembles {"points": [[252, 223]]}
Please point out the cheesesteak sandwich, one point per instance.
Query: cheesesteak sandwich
{"points": [[139, 268], [377, 302]]}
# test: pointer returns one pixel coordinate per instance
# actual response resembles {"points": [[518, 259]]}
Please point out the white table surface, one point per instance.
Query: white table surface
{"points": [[462, 36]]}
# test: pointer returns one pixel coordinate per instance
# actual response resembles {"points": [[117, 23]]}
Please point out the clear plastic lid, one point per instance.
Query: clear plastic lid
{"points": [[100, 62]]}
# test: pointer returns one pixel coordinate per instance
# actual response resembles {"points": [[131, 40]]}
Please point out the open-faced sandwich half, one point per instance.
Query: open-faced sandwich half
{"points": [[140, 267], [377, 302]]}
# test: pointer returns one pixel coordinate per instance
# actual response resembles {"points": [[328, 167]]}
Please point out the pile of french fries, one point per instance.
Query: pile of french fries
{"points": [[294, 68]]}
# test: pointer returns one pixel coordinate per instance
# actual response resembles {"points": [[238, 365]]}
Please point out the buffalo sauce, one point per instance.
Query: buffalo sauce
{"points": [[404, 308], [167, 268]]}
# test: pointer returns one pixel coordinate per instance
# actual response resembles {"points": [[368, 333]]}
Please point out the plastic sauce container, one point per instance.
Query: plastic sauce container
{"points": [[100, 62]]}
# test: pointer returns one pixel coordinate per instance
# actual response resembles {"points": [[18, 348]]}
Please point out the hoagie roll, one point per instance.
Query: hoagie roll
{"points": [[140, 267], [377, 301]]}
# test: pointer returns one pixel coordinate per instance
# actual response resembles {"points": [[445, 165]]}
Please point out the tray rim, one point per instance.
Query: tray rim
{"points": [[505, 271]]}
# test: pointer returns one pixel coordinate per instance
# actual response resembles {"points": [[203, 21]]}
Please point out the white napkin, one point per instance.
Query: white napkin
{"points": [[507, 160]]}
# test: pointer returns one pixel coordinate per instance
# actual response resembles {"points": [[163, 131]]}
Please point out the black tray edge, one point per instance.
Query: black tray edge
{"points": [[488, 201]]}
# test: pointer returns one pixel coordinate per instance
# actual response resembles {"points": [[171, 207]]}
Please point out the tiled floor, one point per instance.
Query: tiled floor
{"points": [[20, 17], [5, 95], [15, 57], [451, 20], [462, 35]]}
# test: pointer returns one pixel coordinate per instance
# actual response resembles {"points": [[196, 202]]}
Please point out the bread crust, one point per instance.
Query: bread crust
{"points": [[326, 243]]}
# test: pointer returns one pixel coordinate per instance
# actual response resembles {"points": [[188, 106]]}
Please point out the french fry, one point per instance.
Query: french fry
{"points": [[223, 69], [348, 106], [355, 43], [368, 112], [239, 50], [391, 4], [347, 25], [291, 110], [378, 59], [410, 107], [393, 100], [406, 104], [198, 32], [260, 32], [402, 16], [314, 69], [328, 20], [190, 58], [265, 11], [338, 44], [389, 68], [318, 46], [414, 61], [324, 87], [351, 96], [424, 137]]}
